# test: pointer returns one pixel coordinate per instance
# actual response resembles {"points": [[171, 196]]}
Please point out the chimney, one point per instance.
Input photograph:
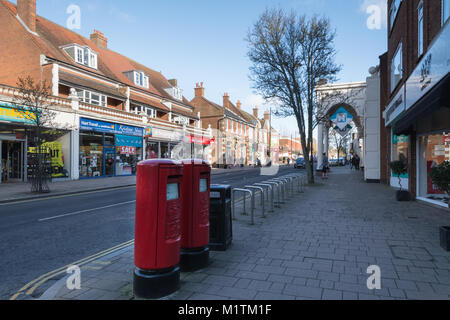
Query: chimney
{"points": [[255, 112], [199, 90], [99, 39], [26, 10], [226, 100], [173, 82], [267, 115], [239, 104]]}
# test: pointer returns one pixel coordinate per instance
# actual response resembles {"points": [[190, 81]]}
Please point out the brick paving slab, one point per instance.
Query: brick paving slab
{"points": [[317, 246]]}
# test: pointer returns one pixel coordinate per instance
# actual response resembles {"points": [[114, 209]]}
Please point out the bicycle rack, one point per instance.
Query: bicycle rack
{"points": [[262, 197], [278, 184], [269, 188], [252, 198]]}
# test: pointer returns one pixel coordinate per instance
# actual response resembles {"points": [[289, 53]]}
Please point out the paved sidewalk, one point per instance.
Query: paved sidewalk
{"points": [[10, 192], [318, 246]]}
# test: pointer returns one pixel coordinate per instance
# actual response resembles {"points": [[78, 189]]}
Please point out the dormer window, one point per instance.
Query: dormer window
{"points": [[82, 55], [140, 79], [176, 93]]}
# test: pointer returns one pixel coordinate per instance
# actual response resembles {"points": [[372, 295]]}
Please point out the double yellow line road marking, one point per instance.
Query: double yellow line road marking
{"points": [[31, 287]]}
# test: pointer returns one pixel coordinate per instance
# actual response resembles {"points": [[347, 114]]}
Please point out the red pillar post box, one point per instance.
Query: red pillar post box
{"points": [[157, 228], [195, 217]]}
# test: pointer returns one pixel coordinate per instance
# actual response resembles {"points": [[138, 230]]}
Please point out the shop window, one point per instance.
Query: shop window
{"points": [[128, 154], [91, 155], [152, 150], [433, 151]]}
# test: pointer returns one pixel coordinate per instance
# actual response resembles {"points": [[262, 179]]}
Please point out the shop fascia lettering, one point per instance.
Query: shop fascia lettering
{"points": [[10, 113], [107, 127]]}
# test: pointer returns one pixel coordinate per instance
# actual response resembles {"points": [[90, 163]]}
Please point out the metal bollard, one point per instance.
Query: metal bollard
{"points": [[262, 197], [269, 188], [252, 198]]}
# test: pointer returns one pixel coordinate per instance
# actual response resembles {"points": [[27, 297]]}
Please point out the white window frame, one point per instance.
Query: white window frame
{"points": [[86, 56], [86, 97], [141, 79], [445, 11], [420, 31], [399, 51]]}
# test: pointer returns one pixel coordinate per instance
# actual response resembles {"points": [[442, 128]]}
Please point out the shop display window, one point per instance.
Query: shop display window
{"points": [[152, 150], [400, 150], [91, 155], [433, 151]]}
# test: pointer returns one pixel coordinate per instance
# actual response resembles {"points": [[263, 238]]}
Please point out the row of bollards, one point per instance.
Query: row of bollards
{"points": [[283, 187]]}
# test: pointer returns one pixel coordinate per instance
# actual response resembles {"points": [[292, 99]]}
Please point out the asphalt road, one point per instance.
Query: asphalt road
{"points": [[37, 237]]}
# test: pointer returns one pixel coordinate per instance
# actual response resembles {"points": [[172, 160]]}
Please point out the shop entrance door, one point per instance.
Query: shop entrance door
{"points": [[109, 161], [12, 161]]}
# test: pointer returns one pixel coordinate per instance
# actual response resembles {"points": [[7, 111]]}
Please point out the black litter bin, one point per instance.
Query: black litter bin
{"points": [[221, 221]]}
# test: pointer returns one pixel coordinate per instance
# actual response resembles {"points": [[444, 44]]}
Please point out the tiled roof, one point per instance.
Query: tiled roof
{"points": [[111, 65]]}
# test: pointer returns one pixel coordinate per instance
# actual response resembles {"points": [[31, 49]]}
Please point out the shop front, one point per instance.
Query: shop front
{"points": [[109, 149], [424, 117]]}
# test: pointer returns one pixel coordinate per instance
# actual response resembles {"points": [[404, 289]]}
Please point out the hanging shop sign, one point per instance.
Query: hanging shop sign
{"points": [[345, 131], [148, 132], [107, 127], [342, 118], [9, 113]]}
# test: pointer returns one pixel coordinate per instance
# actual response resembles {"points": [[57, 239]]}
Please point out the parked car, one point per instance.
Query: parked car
{"points": [[299, 163]]}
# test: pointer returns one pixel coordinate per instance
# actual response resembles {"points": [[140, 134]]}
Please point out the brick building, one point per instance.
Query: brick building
{"points": [[415, 94], [112, 111], [240, 138]]}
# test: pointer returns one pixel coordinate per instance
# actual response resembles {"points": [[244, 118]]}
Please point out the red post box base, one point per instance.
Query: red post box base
{"points": [[150, 284], [194, 259]]}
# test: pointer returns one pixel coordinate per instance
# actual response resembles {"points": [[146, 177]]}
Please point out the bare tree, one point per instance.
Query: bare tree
{"points": [[32, 104], [340, 142], [290, 54]]}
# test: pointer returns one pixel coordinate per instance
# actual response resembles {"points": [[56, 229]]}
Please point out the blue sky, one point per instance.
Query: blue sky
{"points": [[203, 40]]}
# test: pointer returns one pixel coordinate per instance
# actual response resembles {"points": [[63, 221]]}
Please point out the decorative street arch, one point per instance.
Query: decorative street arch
{"points": [[352, 106]]}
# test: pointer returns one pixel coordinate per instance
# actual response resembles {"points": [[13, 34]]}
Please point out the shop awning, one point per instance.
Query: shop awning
{"points": [[438, 97]]}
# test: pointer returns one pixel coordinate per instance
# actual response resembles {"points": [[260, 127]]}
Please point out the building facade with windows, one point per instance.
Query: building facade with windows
{"points": [[415, 94], [112, 112]]}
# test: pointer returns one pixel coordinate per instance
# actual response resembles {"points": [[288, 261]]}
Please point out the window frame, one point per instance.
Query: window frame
{"points": [[445, 14], [393, 12], [85, 96], [400, 52], [420, 29]]}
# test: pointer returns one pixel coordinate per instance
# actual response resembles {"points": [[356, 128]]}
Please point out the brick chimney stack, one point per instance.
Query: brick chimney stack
{"points": [[99, 39], [199, 90], [255, 112], [267, 115], [26, 10], [226, 100], [239, 104], [173, 82]]}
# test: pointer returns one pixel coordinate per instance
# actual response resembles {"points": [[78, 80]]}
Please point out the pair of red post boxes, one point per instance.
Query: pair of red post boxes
{"points": [[172, 223]]}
